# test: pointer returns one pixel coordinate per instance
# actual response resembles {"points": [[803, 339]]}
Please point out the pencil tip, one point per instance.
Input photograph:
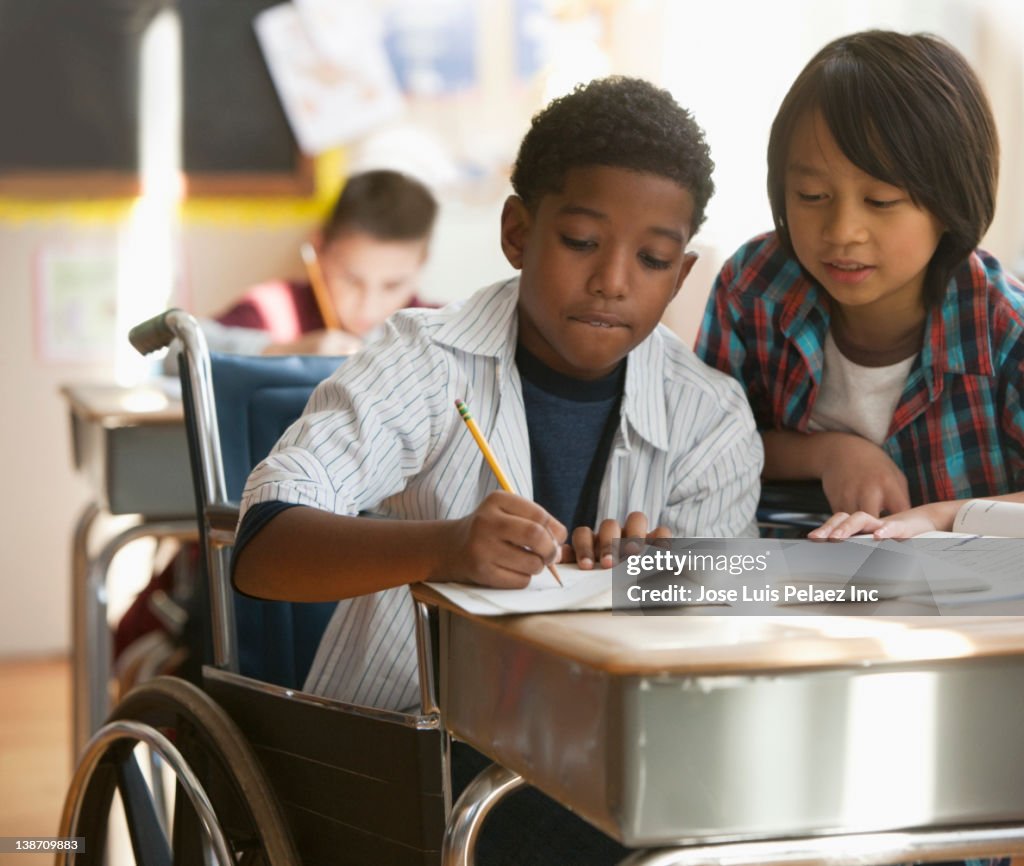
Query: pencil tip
{"points": [[555, 574]]}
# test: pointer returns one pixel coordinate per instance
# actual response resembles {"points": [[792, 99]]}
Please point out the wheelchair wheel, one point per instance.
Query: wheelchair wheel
{"points": [[222, 805]]}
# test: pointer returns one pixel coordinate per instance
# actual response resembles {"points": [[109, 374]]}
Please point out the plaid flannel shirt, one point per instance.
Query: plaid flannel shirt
{"points": [[958, 429]]}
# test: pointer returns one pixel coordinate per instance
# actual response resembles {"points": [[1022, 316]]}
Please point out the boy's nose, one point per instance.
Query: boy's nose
{"points": [[611, 275], [844, 224]]}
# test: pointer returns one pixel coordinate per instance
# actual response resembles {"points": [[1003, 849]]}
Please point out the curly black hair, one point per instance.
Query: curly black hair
{"points": [[615, 121]]}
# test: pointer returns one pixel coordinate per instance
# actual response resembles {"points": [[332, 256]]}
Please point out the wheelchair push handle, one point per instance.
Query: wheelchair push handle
{"points": [[158, 332]]}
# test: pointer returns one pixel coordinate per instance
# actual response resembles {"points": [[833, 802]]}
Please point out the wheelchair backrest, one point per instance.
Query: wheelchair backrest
{"points": [[256, 398]]}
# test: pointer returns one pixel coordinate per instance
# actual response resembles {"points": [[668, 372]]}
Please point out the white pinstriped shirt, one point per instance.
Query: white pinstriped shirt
{"points": [[382, 435]]}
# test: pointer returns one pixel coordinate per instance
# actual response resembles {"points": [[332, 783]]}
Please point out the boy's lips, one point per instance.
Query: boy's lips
{"points": [[598, 320], [847, 271]]}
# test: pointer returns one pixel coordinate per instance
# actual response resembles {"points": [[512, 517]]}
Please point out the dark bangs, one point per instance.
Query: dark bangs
{"points": [[909, 111]]}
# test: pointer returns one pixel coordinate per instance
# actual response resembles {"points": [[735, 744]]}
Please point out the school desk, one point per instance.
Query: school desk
{"points": [[129, 443], [744, 739]]}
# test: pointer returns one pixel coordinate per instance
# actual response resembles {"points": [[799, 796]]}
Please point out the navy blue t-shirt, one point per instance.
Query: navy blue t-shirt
{"points": [[571, 424]]}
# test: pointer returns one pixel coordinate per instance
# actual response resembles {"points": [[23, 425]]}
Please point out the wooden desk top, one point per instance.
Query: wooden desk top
{"points": [[698, 644], [112, 405]]}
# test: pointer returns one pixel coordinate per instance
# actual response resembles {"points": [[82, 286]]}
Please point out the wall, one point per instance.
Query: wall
{"points": [[42, 493]]}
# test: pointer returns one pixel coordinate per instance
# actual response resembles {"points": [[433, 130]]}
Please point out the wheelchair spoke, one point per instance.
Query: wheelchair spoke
{"points": [[187, 834], [149, 842]]}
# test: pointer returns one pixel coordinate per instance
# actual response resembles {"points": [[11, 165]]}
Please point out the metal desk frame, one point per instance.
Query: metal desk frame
{"points": [[97, 409], [840, 849]]}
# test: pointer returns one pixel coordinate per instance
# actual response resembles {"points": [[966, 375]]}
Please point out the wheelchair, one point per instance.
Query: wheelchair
{"points": [[248, 769]]}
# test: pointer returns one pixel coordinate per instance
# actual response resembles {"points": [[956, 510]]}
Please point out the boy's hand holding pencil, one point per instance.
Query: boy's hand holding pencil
{"points": [[508, 537], [502, 544]]}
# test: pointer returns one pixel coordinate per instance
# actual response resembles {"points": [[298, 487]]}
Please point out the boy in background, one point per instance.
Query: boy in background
{"points": [[371, 251], [605, 422]]}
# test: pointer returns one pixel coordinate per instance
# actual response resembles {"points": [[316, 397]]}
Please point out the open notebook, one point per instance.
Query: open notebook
{"points": [[990, 517], [980, 545]]}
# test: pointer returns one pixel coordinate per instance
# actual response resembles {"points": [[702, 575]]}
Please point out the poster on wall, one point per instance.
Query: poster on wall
{"points": [[329, 98], [76, 302]]}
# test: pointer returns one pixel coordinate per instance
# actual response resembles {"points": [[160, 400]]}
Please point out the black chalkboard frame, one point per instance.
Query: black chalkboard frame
{"points": [[68, 85]]}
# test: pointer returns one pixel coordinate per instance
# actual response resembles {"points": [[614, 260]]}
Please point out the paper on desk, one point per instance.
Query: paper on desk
{"points": [[890, 569], [998, 560], [954, 571], [581, 590]]}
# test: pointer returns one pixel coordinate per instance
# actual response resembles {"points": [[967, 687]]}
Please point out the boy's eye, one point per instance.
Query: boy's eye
{"points": [[654, 263], [882, 203], [810, 196], [577, 243]]}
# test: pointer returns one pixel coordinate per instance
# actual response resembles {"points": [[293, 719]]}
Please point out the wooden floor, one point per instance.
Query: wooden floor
{"points": [[35, 746]]}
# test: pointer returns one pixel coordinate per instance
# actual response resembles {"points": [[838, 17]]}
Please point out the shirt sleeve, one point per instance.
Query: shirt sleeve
{"points": [[367, 430], [245, 313], [1012, 412], [738, 333], [715, 483], [720, 342], [255, 519]]}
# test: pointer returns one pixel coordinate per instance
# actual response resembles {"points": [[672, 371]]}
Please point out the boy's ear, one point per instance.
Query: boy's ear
{"points": [[689, 260], [515, 226]]}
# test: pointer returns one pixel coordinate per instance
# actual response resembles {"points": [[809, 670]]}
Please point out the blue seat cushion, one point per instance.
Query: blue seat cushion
{"points": [[257, 398]]}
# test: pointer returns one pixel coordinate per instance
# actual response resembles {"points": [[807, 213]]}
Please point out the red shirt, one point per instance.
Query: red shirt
{"points": [[284, 309]]}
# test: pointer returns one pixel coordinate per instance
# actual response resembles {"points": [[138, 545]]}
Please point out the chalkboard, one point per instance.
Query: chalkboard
{"points": [[69, 80], [235, 130]]}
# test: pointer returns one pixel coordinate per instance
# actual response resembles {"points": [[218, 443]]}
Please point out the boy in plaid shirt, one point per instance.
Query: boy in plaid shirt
{"points": [[880, 350]]}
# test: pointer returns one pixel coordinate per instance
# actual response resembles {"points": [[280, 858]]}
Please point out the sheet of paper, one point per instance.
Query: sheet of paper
{"points": [[886, 567], [996, 561], [582, 590]]}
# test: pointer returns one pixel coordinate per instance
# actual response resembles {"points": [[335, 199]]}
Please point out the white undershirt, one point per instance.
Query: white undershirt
{"points": [[856, 399]]}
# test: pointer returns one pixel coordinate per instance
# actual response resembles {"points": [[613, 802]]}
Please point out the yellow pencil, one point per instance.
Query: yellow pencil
{"points": [[492, 461], [320, 292]]}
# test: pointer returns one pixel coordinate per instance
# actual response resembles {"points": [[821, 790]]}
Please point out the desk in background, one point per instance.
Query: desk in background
{"points": [[129, 443], [784, 734]]}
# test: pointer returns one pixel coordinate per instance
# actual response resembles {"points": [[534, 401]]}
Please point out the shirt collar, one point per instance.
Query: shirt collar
{"points": [[956, 336], [486, 324], [483, 324]]}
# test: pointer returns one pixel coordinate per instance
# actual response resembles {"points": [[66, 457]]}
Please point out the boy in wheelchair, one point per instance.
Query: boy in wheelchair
{"points": [[605, 422]]}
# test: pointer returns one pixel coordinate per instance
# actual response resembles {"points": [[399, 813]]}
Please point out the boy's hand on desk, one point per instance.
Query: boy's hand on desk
{"points": [[506, 541], [905, 524], [860, 476], [318, 343], [589, 547]]}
